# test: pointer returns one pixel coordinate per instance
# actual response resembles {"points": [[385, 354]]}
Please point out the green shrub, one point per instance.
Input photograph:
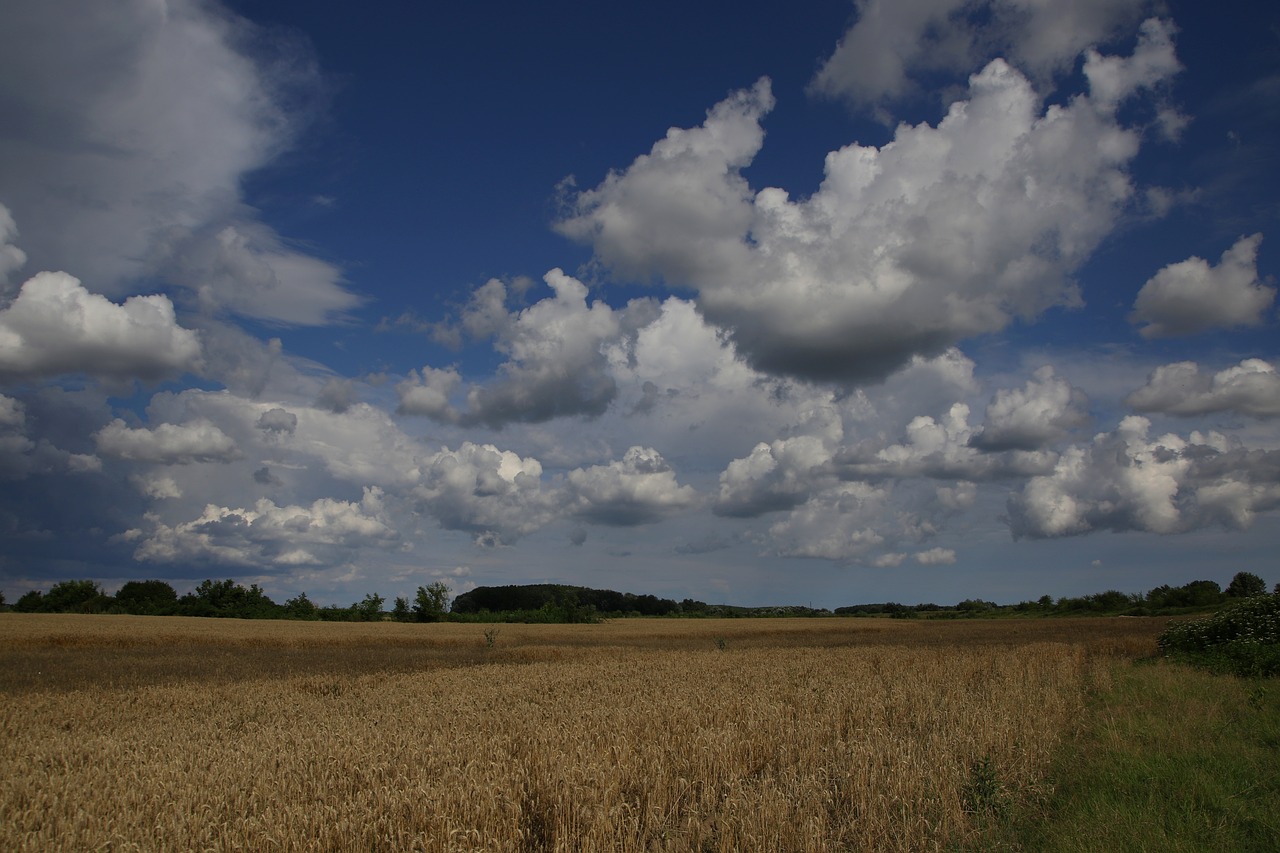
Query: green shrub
{"points": [[1243, 639]]}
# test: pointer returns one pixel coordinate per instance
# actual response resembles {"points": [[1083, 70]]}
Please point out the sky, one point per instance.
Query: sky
{"points": [[843, 302]]}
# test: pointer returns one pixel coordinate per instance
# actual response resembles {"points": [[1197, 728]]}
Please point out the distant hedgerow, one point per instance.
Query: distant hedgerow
{"points": [[1243, 639]]}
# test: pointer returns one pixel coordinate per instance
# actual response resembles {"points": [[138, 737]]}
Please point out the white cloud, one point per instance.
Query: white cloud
{"points": [[1191, 296], [1112, 79], [1251, 388], [13, 414], [496, 495], [156, 486], [893, 42], [556, 365], [784, 473], [361, 446], [129, 130], [428, 393], [1125, 480], [944, 233], [839, 524], [245, 268], [936, 557], [639, 489], [680, 211], [268, 536], [940, 449], [1033, 417], [55, 326], [167, 444], [890, 39]]}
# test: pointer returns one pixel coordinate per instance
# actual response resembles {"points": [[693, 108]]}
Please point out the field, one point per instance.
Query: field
{"points": [[154, 733]]}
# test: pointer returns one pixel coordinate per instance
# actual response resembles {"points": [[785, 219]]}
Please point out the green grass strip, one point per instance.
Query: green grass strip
{"points": [[1171, 759]]}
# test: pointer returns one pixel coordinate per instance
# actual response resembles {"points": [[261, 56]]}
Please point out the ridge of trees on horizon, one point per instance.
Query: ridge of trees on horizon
{"points": [[560, 603]]}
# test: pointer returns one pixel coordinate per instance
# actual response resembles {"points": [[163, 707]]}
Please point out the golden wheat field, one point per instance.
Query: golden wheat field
{"points": [[154, 733]]}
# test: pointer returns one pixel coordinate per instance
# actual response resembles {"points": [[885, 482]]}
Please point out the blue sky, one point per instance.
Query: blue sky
{"points": [[856, 302]]}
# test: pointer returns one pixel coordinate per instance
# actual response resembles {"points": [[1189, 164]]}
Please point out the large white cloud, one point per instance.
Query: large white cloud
{"points": [[845, 523], [556, 363], [495, 495], [55, 326], [938, 448], [1126, 480], [784, 473], [268, 536], [1251, 387], [944, 233], [129, 129], [1191, 296], [893, 41], [639, 489], [1035, 416], [167, 444]]}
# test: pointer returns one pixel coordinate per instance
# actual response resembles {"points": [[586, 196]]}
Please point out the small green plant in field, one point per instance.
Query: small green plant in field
{"points": [[721, 643], [982, 793], [490, 637], [1243, 639]]}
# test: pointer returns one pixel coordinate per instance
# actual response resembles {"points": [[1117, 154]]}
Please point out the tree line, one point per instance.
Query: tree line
{"points": [[1163, 600], [562, 603], [227, 599]]}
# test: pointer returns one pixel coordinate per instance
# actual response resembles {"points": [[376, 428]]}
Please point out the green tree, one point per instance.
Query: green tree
{"points": [[147, 598], [431, 603], [369, 610], [227, 598], [300, 607], [401, 612], [1246, 585], [83, 596]]}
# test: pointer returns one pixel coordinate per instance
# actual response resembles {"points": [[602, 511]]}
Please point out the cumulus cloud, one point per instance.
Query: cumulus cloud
{"points": [[427, 393], [167, 444], [1125, 480], [156, 486], [495, 495], [1042, 412], [55, 326], [13, 415], [936, 557], [278, 421], [938, 448], [1191, 296], [129, 130], [359, 447], [892, 44], [1251, 387], [556, 365], [268, 536], [782, 474], [1112, 79], [947, 232], [839, 524], [639, 489]]}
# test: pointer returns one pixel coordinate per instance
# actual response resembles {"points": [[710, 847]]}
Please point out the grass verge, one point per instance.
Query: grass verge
{"points": [[1171, 758]]}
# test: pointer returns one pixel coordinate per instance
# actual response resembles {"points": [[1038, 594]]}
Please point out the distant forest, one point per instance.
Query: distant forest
{"points": [[561, 603]]}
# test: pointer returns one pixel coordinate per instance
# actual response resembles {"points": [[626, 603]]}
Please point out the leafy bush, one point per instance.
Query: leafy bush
{"points": [[1243, 639]]}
